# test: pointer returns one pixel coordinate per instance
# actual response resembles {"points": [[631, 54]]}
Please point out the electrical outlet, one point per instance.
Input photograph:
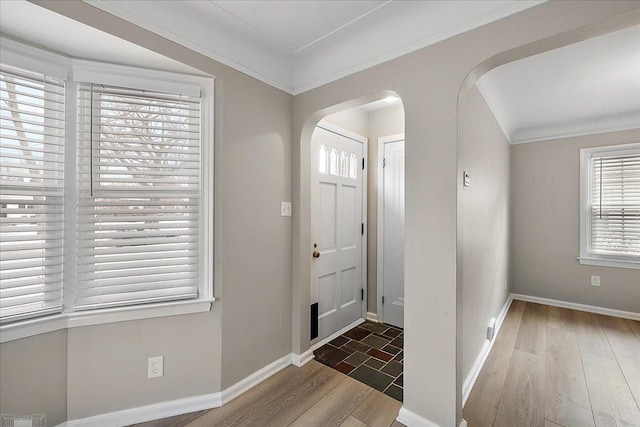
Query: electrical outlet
{"points": [[595, 280], [285, 208], [491, 328], [156, 366]]}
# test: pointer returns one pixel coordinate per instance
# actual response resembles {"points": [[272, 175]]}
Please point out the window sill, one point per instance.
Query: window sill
{"points": [[27, 328], [609, 263]]}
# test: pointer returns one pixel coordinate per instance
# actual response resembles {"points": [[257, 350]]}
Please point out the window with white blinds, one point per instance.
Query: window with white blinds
{"points": [[613, 205], [138, 192], [32, 139]]}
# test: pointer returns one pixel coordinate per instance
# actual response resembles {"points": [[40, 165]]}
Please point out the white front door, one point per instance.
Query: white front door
{"points": [[336, 229], [393, 234]]}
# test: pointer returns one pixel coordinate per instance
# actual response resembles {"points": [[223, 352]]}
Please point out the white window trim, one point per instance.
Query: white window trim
{"points": [[586, 257], [74, 71]]}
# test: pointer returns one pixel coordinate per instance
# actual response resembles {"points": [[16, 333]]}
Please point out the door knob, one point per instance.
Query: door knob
{"points": [[316, 254]]}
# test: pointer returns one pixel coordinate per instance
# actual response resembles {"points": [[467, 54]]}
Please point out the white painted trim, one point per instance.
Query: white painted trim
{"points": [[335, 335], [34, 59], [601, 262], [121, 314], [27, 328], [472, 377], [380, 226], [254, 379], [365, 221], [411, 419], [300, 360], [137, 77], [580, 307], [372, 317], [42, 325], [463, 423], [570, 135], [150, 412]]}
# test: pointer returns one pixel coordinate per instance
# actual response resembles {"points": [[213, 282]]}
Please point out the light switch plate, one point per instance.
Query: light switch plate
{"points": [[595, 280], [285, 208]]}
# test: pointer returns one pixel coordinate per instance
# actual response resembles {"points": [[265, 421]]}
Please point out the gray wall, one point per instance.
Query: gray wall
{"points": [[355, 120], [483, 217], [33, 376], [545, 215]]}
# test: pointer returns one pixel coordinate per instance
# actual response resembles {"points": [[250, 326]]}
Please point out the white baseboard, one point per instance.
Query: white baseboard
{"points": [[580, 307], [151, 412], [181, 406], [335, 335], [254, 379], [300, 360], [411, 419], [469, 382], [372, 317]]}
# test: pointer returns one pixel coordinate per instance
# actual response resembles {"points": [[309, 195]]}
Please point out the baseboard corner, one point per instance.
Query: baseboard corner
{"points": [[373, 317], [300, 360], [411, 419]]}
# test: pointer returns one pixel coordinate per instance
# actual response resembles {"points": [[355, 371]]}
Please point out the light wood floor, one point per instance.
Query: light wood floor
{"points": [[554, 367], [314, 395]]}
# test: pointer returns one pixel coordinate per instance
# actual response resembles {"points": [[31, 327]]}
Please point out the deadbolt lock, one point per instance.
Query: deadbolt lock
{"points": [[316, 254]]}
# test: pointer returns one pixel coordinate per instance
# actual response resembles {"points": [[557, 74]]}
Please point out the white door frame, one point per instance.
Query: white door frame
{"points": [[380, 241], [364, 141]]}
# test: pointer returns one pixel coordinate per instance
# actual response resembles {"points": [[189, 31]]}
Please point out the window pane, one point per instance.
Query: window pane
{"points": [[615, 205], [139, 197], [31, 194], [353, 166], [323, 159], [344, 163], [333, 162]]}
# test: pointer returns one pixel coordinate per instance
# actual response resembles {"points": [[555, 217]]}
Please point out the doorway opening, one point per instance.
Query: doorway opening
{"points": [[355, 226]]}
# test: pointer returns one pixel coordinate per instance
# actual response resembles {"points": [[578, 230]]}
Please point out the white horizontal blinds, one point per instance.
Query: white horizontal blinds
{"points": [[615, 204], [138, 197], [31, 194]]}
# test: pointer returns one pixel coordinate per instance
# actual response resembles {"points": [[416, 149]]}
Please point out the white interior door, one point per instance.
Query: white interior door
{"points": [[336, 222], [393, 233]]}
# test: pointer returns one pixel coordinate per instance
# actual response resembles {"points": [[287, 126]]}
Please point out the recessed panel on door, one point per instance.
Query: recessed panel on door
{"points": [[327, 294], [348, 286], [349, 216], [328, 220]]}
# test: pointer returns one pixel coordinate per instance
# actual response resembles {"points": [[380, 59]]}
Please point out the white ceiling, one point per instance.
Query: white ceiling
{"points": [[299, 45], [585, 88], [66, 36]]}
